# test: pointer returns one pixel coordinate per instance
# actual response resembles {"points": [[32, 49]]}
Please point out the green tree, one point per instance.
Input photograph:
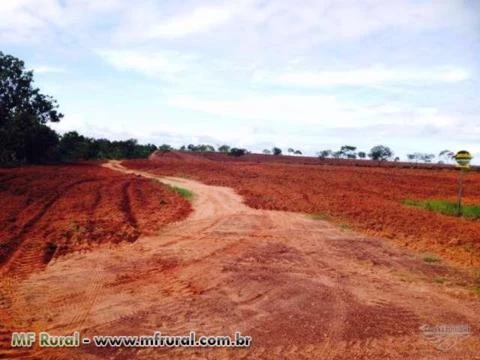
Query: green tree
{"points": [[427, 158], [24, 113], [337, 155], [447, 155], [277, 151], [237, 152], [325, 154], [200, 148], [74, 146], [224, 148], [165, 148], [348, 152], [380, 152]]}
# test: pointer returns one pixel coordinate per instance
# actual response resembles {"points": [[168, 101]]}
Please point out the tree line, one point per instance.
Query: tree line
{"points": [[26, 138]]}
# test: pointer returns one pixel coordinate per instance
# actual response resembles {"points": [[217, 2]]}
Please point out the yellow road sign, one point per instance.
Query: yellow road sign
{"points": [[463, 159]]}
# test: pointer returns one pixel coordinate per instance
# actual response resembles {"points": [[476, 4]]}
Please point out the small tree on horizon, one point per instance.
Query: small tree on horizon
{"points": [[418, 156], [447, 155], [380, 152], [348, 152], [324, 154], [224, 148], [165, 148], [277, 151], [237, 152]]}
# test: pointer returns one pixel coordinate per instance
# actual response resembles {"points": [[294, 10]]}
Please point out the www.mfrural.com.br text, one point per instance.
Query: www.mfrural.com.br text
{"points": [[44, 339]]}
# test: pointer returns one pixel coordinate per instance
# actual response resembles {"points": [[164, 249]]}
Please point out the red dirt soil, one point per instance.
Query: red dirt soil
{"points": [[52, 210], [302, 288], [365, 198]]}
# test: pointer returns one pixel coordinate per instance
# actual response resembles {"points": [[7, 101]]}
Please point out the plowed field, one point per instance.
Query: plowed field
{"points": [[359, 197], [301, 287], [52, 210]]}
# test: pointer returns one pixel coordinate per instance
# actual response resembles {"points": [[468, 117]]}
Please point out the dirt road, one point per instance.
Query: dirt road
{"points": [[300, 287]]}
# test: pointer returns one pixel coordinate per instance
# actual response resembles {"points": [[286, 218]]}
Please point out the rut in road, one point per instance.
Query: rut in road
{"points": [[302, 288]]}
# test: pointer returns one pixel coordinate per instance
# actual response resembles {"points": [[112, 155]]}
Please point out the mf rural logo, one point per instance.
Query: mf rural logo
{"points": [[445, 337]]}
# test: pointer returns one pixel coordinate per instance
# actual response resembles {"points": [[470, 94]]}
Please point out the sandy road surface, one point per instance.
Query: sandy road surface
{"points": [[301, 288]]}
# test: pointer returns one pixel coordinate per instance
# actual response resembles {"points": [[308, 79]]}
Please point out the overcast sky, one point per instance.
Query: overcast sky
{"points": [[306, 74]]}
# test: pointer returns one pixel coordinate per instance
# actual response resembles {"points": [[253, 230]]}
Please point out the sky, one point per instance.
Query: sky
{"points": [[311, 74]]}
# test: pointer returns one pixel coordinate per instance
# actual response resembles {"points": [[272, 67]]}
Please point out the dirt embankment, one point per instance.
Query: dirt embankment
{"points": [[49, 211]]}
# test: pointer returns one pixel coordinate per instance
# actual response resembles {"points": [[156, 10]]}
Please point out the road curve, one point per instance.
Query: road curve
{"points": [[302, 288]]}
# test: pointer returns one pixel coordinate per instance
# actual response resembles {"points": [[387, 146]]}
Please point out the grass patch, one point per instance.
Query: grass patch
{"points": [[440, 280], [323, 217], [186, 194], [431, 259], [345, 227], [77, 228], [471, 212]]}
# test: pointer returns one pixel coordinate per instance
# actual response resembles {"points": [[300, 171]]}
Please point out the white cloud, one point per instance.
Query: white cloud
{"points": [[165, 64], [327, 111], [199, 20], [46, 69], [259, 63], [257, 23], [36, 21], [367, 77]]}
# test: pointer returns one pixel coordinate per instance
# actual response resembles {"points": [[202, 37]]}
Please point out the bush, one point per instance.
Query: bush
{"points": [[237, 152]]}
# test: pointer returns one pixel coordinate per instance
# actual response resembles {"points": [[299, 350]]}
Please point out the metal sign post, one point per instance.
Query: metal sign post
{"points": [[463, 159]]}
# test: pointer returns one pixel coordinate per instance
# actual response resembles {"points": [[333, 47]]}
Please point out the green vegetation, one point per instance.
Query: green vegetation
{"points": [[276, 151], [237, 152], [431, 259], [24, 113], [380, 152], [323, 217], [198, 148], [224, 148], [446, 207], [294, 152], [77, 228], [186, 194], [73, 146], [345, 227], [25, 136]]}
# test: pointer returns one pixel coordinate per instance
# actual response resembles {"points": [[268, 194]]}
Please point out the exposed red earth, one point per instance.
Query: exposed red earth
{"points": [[302, 287], [361, 197], [49, 211]]}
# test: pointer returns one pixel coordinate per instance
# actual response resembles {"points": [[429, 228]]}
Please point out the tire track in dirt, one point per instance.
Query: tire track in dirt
{"points": [[29, 254], [126, 205], [302, 288]]}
